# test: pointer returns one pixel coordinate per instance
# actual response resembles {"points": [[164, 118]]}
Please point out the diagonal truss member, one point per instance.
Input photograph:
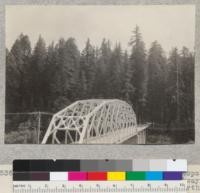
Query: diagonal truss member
{"points": [[93, 121]]}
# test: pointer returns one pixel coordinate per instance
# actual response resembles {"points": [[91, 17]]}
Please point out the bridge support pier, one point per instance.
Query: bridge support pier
{"points": [[141, 137]]}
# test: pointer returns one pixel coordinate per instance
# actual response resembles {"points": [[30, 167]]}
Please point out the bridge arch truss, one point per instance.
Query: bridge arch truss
{"points": [[94, 121]]}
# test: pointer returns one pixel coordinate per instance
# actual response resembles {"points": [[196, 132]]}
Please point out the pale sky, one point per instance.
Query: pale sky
{"points": [[170, 25]]}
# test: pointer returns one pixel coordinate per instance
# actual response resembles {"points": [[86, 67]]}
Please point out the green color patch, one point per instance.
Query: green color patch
{"points": [[135, 176]]}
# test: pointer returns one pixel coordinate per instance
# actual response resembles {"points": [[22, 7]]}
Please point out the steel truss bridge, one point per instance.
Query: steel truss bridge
{"points": [[95, 121]]}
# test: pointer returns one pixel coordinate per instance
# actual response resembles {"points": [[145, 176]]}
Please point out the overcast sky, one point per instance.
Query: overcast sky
{"points": [[170, 25]]}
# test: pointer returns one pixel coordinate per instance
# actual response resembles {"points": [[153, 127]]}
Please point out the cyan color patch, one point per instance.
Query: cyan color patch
{"points": [[154, 175]]}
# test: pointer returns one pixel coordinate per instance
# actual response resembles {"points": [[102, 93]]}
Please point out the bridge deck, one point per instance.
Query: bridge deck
{"points": [[126, 134]]}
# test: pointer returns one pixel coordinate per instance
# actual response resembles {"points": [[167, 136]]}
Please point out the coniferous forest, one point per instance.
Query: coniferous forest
{"points": [[158, 85]]}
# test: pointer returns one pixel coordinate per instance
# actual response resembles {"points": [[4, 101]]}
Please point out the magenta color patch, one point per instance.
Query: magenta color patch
{"points": [[77, 176]]}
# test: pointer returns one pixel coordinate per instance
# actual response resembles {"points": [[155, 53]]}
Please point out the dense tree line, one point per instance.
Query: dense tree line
{"points": [[159, 86]]}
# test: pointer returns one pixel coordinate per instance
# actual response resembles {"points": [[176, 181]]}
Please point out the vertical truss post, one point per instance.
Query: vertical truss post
{"points": [[38, 128]]}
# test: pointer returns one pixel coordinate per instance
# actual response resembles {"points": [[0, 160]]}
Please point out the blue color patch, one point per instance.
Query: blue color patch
{"points": [[154, 175]]}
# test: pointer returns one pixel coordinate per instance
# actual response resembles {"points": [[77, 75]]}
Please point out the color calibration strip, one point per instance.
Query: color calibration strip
{"points": [[97, 176], [178, 165]]}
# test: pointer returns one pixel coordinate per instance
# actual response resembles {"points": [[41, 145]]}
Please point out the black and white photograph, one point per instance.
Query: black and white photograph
{"points": [[100, 74]]}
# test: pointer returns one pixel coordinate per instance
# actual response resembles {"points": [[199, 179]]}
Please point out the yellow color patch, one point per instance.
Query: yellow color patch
{"points": [[118, 176]]}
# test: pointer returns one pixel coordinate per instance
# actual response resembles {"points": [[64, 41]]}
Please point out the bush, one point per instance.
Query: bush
{"points": [[24, 136]]}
